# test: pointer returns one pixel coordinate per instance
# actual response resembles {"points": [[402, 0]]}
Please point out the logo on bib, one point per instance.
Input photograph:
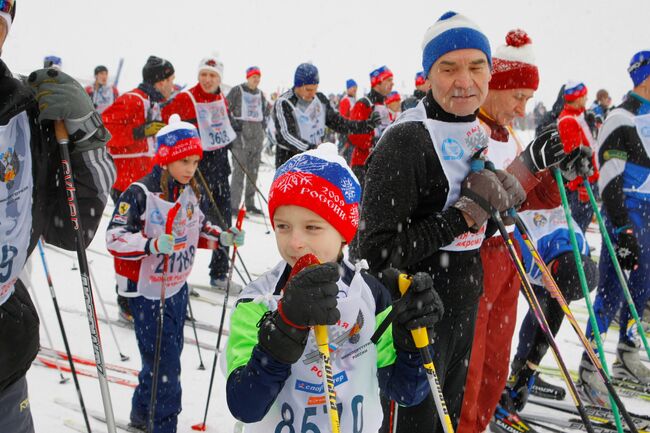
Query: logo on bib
{"points": [[645, 131], [539, 220], [317, 388], [156, 218], [452, 150], [476, 139], [189, 210], [123, 208], [9, 167]]}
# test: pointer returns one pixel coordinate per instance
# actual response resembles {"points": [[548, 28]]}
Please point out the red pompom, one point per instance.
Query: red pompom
{"points": [[517, 38]]}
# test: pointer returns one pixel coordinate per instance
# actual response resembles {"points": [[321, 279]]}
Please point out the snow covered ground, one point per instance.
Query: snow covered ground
{"points": [[259, 254]]}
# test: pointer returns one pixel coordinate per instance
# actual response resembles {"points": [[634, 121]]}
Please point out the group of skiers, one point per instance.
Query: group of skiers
{"points": [[431, 193]]}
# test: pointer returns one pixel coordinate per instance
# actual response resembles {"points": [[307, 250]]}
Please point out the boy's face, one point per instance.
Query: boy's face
{"points": [[183, 170], [299, 231]]}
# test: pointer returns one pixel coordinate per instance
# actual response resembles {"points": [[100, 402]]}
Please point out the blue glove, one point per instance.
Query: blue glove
{"points": [[232, 236], [163, 244]]}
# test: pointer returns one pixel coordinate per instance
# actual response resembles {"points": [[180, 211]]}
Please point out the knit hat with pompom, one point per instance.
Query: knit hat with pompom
{"points": [[513, 64]]}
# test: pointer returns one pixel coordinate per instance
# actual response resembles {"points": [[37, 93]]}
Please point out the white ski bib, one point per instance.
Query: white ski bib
{"points": [[311, 121], [186, 230], [384, 115], [455, 144], [214, 124], [302, 404], [103, 97], [251, 106], [16, 187], [642, 124]]}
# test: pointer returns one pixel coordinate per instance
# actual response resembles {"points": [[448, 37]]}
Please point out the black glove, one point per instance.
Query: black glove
{"points": [[60, 97], [578, 163], [420, 307], [627, 250], [518, 388], [149, 129], [310, 296], [482, 193], [545, 151], [375, 120]]}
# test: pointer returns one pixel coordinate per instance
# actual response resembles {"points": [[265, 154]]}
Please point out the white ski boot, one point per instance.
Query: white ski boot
{"points": [[590, 386], [628, 365]]}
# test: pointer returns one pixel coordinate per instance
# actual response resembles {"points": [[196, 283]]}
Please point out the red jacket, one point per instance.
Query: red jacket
{"points": [[363, 143], [183, 106], [345, 106], [573, 131], [133, 157]]}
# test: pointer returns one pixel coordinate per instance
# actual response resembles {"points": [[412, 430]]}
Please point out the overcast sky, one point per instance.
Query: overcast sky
{"points": [[590, 40]]}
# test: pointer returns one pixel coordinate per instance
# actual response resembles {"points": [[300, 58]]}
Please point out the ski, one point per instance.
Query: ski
{"points": [[47, 362], [74, 425], [95, 414], [128, 325], [47, 351], [571, 423], [504, 421], [598, 414], [624, 388]]}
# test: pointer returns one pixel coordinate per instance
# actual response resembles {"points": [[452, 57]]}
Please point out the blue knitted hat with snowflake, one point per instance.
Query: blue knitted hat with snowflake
{"points": [[319, 180], [306, 74]]}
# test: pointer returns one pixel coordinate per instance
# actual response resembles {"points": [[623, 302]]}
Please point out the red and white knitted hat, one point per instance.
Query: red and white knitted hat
{"points": [[513, 64]]}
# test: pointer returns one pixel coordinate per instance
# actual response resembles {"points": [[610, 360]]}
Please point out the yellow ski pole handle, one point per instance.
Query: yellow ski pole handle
{"points": [[322, 340], [421, 338]]}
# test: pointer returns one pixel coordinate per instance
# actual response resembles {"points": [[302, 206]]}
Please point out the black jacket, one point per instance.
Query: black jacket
{"points": [[403, 224], [288, 134], [413, 100], [94, 174]]}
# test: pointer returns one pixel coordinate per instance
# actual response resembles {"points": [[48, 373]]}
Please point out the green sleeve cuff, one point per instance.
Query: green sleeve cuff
{"points": [[243, 334], [386, 353]]}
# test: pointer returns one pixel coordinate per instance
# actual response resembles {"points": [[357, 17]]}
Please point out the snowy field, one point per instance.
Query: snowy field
{"points": [[259, 254]]}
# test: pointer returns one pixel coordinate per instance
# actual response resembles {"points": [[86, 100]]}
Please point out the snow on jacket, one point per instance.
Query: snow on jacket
{"points": [[407, 221], [359, 366], [125, 119], [33, 204]]}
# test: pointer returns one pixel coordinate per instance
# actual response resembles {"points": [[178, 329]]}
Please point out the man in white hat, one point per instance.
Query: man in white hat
{"points": [[205, 106]]}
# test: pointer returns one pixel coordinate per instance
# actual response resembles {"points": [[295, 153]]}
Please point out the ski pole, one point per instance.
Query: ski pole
{"points": [[119, 71], [240, 220], [421, 338], [71, 193], [537, 310], [617, 266], [25, 278], [553, 289], [169, 225], [196, 337], [123, 357], [222, 221], [322, 341], [585, 291]]}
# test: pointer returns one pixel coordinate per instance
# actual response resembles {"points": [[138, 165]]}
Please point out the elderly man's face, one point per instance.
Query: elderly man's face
{"points": [[459, 81]]}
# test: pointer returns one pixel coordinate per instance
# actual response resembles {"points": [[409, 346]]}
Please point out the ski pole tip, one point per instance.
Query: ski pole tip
{"points": [[199, 427]]}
